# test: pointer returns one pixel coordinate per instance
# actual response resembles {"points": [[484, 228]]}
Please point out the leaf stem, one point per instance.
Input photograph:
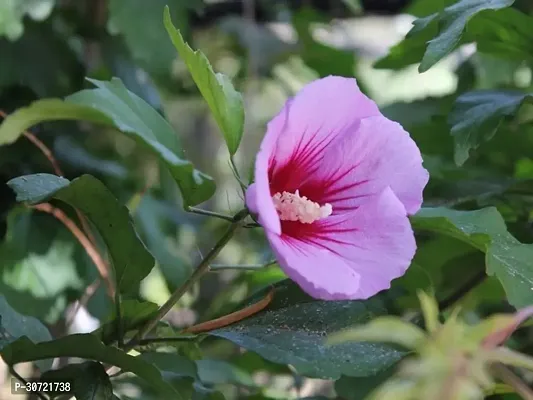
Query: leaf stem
{"points": [[201, 270], [119, 325], [241, 267], [152, 340], [199, 211]]}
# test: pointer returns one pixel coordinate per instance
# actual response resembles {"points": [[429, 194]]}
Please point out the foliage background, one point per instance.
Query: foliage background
{"points": [[269, 49]]}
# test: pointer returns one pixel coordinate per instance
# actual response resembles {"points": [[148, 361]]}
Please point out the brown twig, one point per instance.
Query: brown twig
{"points": [[233, 317], [58, 171], [91, 289], [89, 247]]}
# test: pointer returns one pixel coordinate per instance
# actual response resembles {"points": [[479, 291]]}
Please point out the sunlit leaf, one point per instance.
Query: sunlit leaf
{"points": [[225, 102]]}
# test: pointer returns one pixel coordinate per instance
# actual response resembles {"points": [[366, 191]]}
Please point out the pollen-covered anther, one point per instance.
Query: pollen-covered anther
{"points": [[293, 207]]}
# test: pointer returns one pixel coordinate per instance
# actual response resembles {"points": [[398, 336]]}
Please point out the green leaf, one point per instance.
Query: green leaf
{"points": [[506, 258], [477, 116], [293, 328], [435, 36], [153, 51], [382, 330], [224, 101], [351, 388], [88, 380], [45, 110], [58, 72], [39, 264], [12, 14], [213, 372], [14, 326], [130, 259], [452, 23], [112, 104], [87, 346], [134, 313], [171, 365]]}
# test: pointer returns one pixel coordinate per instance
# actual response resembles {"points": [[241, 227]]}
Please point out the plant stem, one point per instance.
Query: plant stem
{"points": [[203, 267], [151, 340], [199, 211], [119, 327], [241, 267]]}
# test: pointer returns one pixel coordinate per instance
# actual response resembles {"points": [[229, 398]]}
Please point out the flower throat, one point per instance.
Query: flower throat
{"points": [[293, 207]]}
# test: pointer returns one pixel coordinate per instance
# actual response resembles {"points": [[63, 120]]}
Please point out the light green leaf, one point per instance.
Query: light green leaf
{"points": [[294, 326], [88, 346], [130, 259], [506, 258], [38, 261], [430, 311], [382, 330], [46, 110], [477, 116], [224, 101], [112, 104]]}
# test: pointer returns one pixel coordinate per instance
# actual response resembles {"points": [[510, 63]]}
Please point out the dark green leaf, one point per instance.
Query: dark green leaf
{"points": [[151, 220], [213, 372], [112, 104], [14, 326], [88, 380], [58, 72], [225, 102], [130, 259], [435, 36], [477, 115], [171, 365], [133, 313], [87, 346], [506, 258], [452, 23], [151, 49], [350, 388], [294, 327]]}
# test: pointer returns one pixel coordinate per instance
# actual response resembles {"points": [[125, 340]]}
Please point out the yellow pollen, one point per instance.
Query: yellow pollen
{"points": [[293, 207]]}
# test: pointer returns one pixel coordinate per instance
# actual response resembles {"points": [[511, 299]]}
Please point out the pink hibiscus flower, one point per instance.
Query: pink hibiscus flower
{"points": [[334, 184]]}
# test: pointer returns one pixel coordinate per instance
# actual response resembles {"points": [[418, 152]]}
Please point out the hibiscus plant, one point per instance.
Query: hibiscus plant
{"points": [[383, 251]]}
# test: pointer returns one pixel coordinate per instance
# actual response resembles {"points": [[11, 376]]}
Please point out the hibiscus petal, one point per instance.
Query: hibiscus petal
{"points": [[380, 153], [301, 132], [352, 256], [318, 113]]}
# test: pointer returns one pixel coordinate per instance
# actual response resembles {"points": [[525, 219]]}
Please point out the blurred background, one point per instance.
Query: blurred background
{"points": [[270, 49]]}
